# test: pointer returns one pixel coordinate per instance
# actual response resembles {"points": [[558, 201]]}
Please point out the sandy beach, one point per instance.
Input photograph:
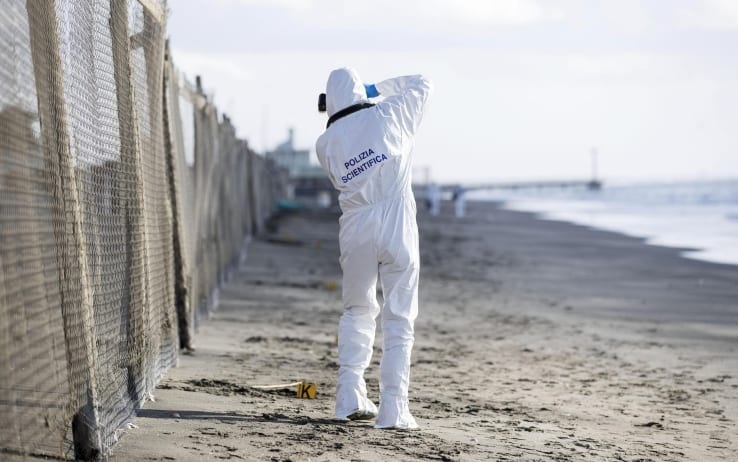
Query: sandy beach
{"points": [[536, 340]]}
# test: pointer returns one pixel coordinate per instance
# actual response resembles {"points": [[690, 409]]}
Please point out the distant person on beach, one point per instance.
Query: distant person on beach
{"points": [[434, 199], [459, 200], [367, 151]]}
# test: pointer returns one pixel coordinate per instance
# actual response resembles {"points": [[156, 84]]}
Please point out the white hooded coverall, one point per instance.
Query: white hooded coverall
{"points": [[367, 155]]}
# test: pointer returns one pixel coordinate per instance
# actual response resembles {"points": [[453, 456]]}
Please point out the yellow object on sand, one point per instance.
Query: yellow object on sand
{"points": [[305, 390]]}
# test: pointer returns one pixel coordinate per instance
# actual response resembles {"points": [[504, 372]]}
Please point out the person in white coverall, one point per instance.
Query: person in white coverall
{"points": [[459, 200], [434, 199], [367, 151]]}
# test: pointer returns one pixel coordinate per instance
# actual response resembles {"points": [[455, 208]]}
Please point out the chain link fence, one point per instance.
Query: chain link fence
{"points": [[125, 201]]}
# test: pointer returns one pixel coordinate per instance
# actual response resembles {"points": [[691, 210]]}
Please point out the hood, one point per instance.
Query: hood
{"points": [[344, 89]]}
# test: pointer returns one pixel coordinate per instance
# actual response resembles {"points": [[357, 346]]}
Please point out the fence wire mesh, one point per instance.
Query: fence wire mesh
{"points": [[125, 201]]}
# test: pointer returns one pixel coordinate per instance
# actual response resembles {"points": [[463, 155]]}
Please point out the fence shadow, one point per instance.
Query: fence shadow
{"points": [[237, 417]]}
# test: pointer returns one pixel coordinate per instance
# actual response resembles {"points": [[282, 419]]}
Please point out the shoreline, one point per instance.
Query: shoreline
{"points": [[700, 216], [605, 254], [521, 352]]}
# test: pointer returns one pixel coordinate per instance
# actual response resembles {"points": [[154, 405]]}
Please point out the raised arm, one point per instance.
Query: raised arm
{"points": [[405, 99]]}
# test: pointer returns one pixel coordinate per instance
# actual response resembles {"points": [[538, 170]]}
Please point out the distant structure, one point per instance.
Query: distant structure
{"points": [[296, 161], [309, 183]]}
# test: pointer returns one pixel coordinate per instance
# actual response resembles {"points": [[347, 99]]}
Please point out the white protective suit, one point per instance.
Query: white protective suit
{"points": [[367, 155]]}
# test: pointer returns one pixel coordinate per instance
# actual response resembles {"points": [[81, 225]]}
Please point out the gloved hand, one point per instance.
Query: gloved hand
{"points": [[371, 90]]}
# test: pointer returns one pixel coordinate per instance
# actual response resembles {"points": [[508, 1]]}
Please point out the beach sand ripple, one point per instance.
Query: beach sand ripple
{"points": [[536, 341]]}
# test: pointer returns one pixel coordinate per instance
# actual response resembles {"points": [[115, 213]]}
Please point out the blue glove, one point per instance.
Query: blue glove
{"points": [[371, 90]]}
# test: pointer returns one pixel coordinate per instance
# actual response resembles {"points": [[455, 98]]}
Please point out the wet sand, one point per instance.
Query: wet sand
{"points": [[537, 340]]}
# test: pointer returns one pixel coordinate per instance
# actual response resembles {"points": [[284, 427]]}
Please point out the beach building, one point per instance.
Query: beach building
{"points": [[308, 181], [296, 161]]}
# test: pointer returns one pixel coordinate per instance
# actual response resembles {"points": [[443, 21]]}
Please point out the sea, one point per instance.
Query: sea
{"points": [[698, 217]]}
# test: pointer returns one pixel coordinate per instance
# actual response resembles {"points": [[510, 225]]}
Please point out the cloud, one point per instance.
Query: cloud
{"points": [[293, 5], [628, 16], [710, 14], [479, 12], [614, 65], [230, 67], [503, 12]]}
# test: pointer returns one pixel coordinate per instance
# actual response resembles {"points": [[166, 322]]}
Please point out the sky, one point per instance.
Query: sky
{"points": [[524, 89]]}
